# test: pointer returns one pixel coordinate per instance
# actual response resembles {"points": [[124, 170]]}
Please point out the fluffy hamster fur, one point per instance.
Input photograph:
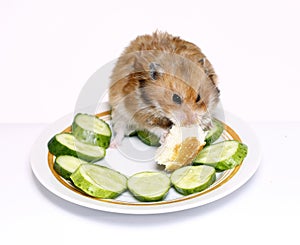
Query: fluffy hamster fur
{"points": [[161, 80]]}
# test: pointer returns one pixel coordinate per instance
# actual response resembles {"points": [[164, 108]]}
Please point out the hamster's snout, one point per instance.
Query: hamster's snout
{"points": [[185, 118]]}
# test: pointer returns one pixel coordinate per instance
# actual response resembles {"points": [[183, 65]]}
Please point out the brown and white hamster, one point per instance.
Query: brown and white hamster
{"points": [[161, 80]]}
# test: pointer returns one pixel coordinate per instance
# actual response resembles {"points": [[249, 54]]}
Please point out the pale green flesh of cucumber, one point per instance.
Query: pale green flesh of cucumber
{"points": [[218, 152], [69, 163], [148, 138], [215, 132], [223, 155], [105, 178], [149, 186], [91, 123], [70, 141], [211, 132], [191, 177], [99, 181]]}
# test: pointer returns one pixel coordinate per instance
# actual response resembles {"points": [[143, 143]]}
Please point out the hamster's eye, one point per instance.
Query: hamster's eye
{"points": [[198, 98], [176, 98]]}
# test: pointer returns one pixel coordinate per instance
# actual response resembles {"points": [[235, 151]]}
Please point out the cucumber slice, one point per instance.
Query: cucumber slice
{"points": [[133, 133], [149, 186], [148, 138], [215, 132], [92, 130], [67, 144], [66, 165], [192, 179], [99, 181], [222, 156]]}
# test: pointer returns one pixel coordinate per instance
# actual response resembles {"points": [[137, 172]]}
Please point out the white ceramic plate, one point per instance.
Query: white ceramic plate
{"points": [[134, 156]]}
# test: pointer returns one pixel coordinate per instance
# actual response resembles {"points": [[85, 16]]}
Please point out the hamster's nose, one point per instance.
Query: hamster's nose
{"points": [[185, 117]]}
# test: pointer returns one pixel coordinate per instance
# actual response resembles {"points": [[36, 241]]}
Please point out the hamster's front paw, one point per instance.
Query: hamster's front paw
{"points": [[116, 141], [163, 137]]}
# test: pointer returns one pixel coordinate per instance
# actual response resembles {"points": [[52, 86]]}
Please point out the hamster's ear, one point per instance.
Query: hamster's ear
{"points": [[202, 61], [155, 70], [137, 64], [208, 69]]}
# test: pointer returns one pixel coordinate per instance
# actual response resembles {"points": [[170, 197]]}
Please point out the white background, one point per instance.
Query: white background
{"points": [[48, 50]]}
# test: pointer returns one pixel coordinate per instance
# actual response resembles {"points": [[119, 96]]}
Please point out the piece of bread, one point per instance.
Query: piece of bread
{"points": [[180, 147]]}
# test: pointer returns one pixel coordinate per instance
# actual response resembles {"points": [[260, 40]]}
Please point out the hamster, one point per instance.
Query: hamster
{"points": [[158, 81]]}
